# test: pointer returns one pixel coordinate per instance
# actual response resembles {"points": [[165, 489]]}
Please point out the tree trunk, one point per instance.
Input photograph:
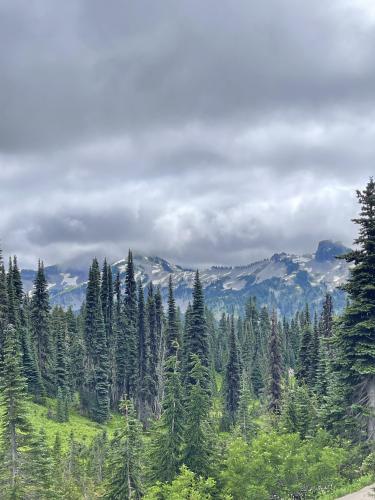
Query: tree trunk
{"points": [[371, 408]]}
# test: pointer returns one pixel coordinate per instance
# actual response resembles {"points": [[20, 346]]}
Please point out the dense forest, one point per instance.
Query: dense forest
{"points": [[187, 405]]}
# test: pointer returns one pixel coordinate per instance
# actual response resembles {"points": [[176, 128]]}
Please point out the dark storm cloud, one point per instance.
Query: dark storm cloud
{"points": [[207, 132]]}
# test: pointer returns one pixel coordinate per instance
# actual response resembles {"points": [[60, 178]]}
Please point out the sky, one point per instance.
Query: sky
{"points": [[203, 132]]}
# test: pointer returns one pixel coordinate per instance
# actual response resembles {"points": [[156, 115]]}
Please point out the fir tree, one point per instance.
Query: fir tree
{"points": [[172, 330], [125, 470], [40, 310], [357, 336], [97, 349], [275, 367], [168, 435], [15, 426], [40, 469], [197, 452], [197, 339], [130, 333], [152, 356], [3, 302], [232, 378]]}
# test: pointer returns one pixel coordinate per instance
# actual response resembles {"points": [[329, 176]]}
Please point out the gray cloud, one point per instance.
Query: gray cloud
{"points": [[203, 132]]}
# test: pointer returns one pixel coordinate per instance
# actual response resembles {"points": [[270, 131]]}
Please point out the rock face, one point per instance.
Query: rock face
{"points": [[284, 281]]}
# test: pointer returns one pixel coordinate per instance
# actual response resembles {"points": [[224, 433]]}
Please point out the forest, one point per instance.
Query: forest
{"points": [[132, 398]]}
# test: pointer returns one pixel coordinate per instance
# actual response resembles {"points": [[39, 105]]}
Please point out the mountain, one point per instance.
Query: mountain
{"points": [[284, 281]]}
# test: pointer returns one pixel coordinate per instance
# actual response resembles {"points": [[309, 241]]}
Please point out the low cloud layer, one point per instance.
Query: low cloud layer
{"points": [[204, 132]]}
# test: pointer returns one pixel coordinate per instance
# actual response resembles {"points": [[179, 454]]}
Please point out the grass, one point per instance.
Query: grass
{"points": [[348, 488], [84, 429]]}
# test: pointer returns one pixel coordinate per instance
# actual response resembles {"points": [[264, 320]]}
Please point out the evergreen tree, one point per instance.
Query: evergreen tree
{"points": [[197, 338], [168, 436], [245, 415], [125, 469], [153, 375], [61, 406], [143, 394], [275, 367], [3, 302], [172, 329], [305, 349], [15, 426], [40, 310], [97, 390], [232, 378], [40, 469], [357, 335], [130, 332], [325, 347], [197, 453]]}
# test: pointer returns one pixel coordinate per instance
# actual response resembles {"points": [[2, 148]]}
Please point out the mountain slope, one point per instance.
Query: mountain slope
{"points": [[284, 281]]}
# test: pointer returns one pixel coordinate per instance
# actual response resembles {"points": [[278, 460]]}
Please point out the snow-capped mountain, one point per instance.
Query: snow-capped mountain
{"points": [[284, 281]]}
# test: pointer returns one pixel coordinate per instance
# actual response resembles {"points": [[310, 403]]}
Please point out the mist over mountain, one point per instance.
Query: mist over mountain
{"points": [[283, 281]]}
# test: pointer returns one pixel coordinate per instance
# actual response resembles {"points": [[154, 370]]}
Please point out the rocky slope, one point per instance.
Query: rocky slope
{"points": [[284, 281]]}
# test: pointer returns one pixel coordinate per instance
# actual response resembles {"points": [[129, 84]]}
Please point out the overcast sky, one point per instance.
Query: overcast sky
{"points": [[205, 132]]}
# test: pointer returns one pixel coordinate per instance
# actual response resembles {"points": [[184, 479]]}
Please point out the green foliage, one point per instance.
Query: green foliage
{"points": [[125, 471], [281, 466], [186, 485]]}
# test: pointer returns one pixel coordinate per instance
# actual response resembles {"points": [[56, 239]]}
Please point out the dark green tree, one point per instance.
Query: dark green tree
{"points": [[198, 446], [40, 327], [15, 427], [167, 439], [275, 367], [232, 379], [125, 468], [357, 328], [130, 330]]}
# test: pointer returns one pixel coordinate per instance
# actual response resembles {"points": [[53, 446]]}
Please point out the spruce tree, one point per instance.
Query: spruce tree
{"points": [[130, 332], [3, 302], [40, 469], [168, 436], [357, 332], [97, 389], [197, 453], [40, 310], [172, 329], [143, 395], [125, 468], [15, 427], [275, 367], [153, 375], [197, 338], [232, 378]]}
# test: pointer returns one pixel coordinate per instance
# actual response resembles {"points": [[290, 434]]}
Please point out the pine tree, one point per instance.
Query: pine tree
{"points": [[168, 435], [15, 426], [125, 469], [40, 310], [275, 367], [357, 335], [232, 378]]}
